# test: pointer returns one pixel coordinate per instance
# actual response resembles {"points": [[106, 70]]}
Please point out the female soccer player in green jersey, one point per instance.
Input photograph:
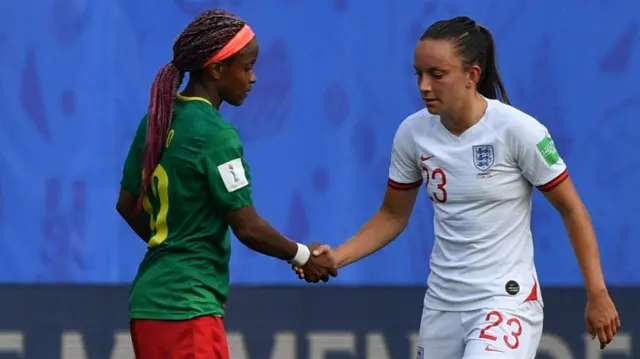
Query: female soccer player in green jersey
{"points": [[186, 169]]}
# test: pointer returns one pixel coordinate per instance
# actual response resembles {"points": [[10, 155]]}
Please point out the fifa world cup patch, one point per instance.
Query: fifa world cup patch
{"points": [[233, 175], [548, 150], [512, 287]]}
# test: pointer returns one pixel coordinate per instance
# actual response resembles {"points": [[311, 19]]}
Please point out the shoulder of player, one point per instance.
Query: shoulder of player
{"points": [[207, 115], [218, 144], [205, 130], [223, 139], [415, 121], [204, 121], [141, 129], [512, 121]]}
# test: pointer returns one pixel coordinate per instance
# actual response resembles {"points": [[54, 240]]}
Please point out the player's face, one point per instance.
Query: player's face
{"points": [[441, 77], [237, 77]]}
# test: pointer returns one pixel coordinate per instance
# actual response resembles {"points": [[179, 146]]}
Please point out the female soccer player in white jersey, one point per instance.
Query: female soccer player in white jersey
{"points": [[480, 159]]}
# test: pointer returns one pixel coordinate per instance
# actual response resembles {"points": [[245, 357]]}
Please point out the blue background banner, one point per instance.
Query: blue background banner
{"points": [[335, 79], [91, 322]]}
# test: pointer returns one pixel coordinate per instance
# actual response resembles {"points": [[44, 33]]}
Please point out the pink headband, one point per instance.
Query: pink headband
{"points": [[237, 43]]}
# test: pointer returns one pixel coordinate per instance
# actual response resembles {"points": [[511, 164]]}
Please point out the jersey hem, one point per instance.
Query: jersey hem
{"points": [[170, 316], [238, 205]]}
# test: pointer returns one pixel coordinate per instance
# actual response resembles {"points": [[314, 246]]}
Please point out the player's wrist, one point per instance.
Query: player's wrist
{"points": [[596, 290], [302, 255]]}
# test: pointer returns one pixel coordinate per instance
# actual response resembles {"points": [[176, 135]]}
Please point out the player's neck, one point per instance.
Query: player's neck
{"points": [[205, 91], [466, 116]]}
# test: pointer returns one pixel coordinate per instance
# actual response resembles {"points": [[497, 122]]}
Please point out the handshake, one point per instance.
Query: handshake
{"points": [[320, 266]]}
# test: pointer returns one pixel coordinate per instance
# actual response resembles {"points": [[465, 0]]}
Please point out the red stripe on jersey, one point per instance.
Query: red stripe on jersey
{"points": [[534, 291], [554, 182], [403, 186]]}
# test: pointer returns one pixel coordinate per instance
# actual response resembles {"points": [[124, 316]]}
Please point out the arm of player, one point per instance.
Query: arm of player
{"points": [[566, 200], [230, 184], [385, 226], [542, 165], [256, 233], [139, 221], [601, 314], [130, 187], [391, 219]]}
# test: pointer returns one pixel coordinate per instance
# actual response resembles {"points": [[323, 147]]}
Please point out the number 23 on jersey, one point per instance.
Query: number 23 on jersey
{"points": [[439, 178]]}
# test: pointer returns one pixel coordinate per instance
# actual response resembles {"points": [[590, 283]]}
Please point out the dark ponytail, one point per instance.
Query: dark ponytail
{"points": [[202, 39], [475, 45], [490, 84]]}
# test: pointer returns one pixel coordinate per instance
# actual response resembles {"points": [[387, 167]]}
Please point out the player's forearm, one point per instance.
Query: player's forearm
{"points": [[137, 220], [139, 223], [263, 238], [379, 231], [141, 226], [585, 245]]}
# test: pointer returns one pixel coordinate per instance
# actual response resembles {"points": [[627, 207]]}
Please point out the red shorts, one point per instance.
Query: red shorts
{"points": [[198, 338]]}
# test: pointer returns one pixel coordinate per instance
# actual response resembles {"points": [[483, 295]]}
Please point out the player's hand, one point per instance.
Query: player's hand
{"points": [[316, 250], [602, 318], [320, 266]]}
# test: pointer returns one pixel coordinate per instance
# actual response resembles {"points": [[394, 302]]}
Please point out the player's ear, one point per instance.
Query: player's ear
{"points": [[215, 70], [474, 74]]}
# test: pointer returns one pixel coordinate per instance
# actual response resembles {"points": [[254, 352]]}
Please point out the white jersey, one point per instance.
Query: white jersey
{"points": [[480, 184]]}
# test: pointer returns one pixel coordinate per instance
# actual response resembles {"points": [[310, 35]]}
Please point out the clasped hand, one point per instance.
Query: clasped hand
{"points": [[320, 266]]}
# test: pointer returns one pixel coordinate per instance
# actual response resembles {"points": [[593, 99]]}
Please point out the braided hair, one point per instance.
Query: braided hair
{"points": [[200, 40], [474, 43]]}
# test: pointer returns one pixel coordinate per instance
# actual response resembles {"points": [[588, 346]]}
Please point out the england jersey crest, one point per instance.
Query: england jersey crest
{"points": [[483, 157]]}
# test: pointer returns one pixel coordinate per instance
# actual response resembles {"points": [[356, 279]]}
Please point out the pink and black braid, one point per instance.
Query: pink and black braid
{"points": [[200, 40]]}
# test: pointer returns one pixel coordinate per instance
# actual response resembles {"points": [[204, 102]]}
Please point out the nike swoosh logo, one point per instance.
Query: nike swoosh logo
{"points": [[490, 349], [426, 158]]}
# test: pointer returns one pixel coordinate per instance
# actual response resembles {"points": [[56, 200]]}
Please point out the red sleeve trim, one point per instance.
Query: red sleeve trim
{"points": [[403, 186], [554, 182]]}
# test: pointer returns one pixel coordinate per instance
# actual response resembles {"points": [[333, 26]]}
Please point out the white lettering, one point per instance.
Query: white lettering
{"points": [[553, 346], [237, 346], [620, 345], [73, 346], [321, 344], [376, 347], [284, 346], [12, 342], [122, 346], [413, 345]]}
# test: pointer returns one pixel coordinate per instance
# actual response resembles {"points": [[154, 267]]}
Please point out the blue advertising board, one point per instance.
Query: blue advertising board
{"points": [[47, 322]]}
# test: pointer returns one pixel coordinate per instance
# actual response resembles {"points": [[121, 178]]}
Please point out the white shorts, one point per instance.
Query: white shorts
{"points": [[481, 334]]}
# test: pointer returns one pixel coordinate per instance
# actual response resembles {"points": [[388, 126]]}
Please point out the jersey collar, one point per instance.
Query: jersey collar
{"points": [[181, 97]]}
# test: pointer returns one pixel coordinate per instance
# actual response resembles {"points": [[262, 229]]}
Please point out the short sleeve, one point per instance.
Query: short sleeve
{"points": [[404, 172], [536, 155], [132, 171], [226, 170]]}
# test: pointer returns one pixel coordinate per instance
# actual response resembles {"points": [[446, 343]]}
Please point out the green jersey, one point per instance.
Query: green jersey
{"points": [[201, 176]]}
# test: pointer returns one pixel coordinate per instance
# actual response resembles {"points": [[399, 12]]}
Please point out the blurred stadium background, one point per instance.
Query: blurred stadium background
{"points": [[335, 79]]}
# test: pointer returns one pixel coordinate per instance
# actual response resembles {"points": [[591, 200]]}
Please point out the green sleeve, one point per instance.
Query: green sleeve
{"points": [[226, 171], [132, 172]]}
